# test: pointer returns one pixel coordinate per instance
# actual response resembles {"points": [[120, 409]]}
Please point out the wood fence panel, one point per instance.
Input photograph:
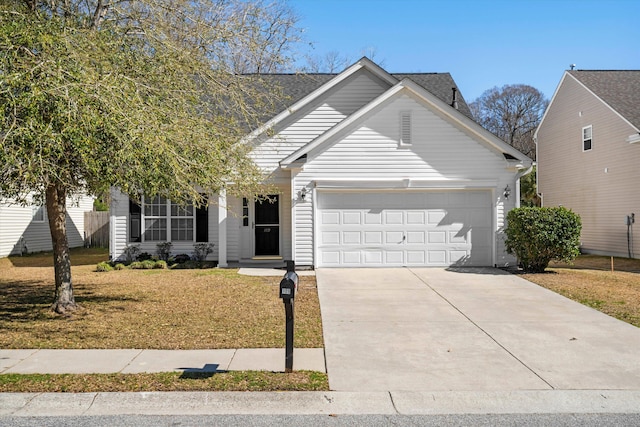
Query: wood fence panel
{"points": [[96, 229]]}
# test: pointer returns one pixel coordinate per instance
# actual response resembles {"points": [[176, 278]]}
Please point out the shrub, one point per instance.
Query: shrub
{"points": [[104, 266], [143, 256], [538, 235], [148, 264], [136, 265], [164, 250], [131, 253], [181, 258], [201, 251], [160, 264], [119, 266]]}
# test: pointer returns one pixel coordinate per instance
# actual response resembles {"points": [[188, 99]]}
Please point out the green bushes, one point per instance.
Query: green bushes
{"points": [[104, 267], [538, 235]]}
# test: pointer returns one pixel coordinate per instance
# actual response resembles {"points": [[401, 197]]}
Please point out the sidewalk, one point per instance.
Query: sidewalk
{"points": [[128, 361]]}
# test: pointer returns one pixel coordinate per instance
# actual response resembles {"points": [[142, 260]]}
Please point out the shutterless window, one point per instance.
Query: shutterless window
{"points": [[155, 219], [405, 128], [587, 141], [37, 213]]}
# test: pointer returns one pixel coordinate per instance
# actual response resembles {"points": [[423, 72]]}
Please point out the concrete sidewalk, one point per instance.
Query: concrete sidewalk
{"points": [[331, 402], [128, 361]]}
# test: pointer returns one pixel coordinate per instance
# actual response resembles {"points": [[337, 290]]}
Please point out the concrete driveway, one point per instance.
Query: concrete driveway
{"points": [[430, 329]]}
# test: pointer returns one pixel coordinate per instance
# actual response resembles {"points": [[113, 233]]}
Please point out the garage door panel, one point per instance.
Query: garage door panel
{"points": [[331, 237], [351, 257], [394, 257], [437, 257], [416, 217], [372, 257], [405, 228], [351, 237], [458, 237], [393, 218], [394, 237], [351, 218], [416, 257], [437, 237], [415, 237], [435, 216], [330, 217], [373, 218], [372, 237]]}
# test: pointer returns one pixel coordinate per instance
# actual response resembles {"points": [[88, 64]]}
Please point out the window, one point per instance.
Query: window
{"points": [[586, 138], [166, 221], [405, 128], [37, 213]]}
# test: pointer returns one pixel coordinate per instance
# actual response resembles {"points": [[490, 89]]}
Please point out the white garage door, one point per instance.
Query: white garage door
{"points": [[404, 228]]}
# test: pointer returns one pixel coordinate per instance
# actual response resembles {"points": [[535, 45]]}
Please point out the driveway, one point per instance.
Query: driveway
{"points": [[432, 329]]}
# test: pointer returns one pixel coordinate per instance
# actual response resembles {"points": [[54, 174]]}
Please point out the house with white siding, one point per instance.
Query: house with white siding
{"points": [[371, 169], [25, 229], [588, 153]]}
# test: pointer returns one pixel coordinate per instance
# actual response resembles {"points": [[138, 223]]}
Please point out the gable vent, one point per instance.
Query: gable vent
{"points": [[405, 128]]}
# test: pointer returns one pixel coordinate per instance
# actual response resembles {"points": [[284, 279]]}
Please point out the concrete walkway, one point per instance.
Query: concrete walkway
{"points": [[430, 329], [138, 361]]}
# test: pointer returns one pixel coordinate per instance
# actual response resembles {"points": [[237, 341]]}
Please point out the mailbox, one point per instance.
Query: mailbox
{"points": [[289, 285]]}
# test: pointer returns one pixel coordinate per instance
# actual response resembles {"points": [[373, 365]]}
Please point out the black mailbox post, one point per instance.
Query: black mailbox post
{"points": [[288, 288]]}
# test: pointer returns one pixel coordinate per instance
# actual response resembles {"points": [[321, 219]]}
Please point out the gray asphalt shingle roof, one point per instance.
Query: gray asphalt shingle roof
{"points": [[297, 86], [618, 88]]}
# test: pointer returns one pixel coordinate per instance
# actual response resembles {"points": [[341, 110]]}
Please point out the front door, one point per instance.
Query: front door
{"points": [[267, 226]]}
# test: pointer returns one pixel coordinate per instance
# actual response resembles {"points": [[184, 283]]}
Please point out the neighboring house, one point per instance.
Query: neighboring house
{"points": [[588, 156], [25, 229], [372, 169]]}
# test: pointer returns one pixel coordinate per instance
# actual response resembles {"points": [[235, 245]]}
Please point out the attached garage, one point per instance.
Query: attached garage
{"points": [[404, 228]]}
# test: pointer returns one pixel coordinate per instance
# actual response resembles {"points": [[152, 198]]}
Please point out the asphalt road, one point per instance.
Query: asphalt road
{"points": [[537, 420]]}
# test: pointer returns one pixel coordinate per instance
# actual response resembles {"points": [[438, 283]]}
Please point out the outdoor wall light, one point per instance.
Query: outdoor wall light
{"points": [[303, 194], [507, 192]]}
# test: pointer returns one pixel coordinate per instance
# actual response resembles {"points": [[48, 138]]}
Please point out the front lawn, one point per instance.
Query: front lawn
{"points": [[165, 381], [149, 309], [591, 282]]}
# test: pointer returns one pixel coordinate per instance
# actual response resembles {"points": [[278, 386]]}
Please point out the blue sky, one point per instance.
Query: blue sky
{"points": [[481, 43]]}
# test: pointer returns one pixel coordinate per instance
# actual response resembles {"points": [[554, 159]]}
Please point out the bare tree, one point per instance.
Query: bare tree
{"points": [[512, 113], [334, 61], [331, 62]]}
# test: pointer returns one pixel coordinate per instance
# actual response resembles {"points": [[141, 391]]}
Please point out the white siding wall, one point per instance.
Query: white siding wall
{"points": [[439, 151], [317, 119], [119, 211], [16, 222]]}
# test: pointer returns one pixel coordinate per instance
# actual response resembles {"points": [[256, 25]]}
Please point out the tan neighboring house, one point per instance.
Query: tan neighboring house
{"points": [[588, 153]]}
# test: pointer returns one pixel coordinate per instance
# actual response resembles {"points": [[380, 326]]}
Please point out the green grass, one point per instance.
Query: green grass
{"points": [[166, 381]]}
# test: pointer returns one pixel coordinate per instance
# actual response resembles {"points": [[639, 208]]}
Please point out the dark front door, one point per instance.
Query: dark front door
{"points": [[267, 215]]}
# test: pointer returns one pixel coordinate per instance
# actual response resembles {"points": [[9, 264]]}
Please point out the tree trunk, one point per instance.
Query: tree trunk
{"points": [[56, 199]]}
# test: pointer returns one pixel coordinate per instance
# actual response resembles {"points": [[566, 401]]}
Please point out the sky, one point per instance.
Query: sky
{"points": [[481, 43]]}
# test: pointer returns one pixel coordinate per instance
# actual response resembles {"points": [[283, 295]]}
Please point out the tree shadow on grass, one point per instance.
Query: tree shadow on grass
{"points": [[28, 300], [78, 256]]}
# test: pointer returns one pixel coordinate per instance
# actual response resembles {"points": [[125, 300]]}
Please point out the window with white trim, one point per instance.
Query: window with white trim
{"points": [[587, 138], [165, 221], [405, 128]]}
